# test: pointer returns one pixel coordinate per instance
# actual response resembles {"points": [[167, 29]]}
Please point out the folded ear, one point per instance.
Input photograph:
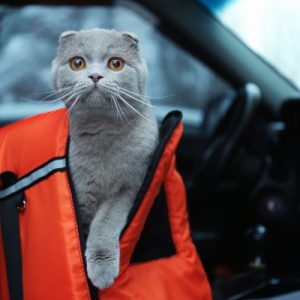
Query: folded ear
{"points": [[132, 37], [66, 35]]}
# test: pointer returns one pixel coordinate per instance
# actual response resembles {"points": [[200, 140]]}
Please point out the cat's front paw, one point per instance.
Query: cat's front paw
{"points": [[102, 268]]}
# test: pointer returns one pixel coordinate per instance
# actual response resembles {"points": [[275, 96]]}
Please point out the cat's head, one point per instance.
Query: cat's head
{"points": [[98, 67]]}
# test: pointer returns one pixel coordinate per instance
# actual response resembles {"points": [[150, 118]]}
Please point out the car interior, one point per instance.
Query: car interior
{"points": [[239, 154]]}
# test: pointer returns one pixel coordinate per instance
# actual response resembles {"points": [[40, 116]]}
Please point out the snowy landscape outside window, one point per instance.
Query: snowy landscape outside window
{"points": [[270, 28]]}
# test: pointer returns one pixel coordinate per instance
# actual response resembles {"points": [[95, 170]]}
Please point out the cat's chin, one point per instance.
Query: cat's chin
{"points": [[94, 91], [95, 99]]}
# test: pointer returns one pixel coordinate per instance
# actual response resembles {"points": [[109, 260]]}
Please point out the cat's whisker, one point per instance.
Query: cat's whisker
{"points": [[44, 99], [73, 91], [67, 113], [120, 108], [67, 100], [133, 93], [135, 99], [146, 96], [73, 105], [41, 102], [118, 95], [115, 105], [70, 89], [130, 106], [58, 100], [117, 90], [54, 93], [111, 104]]}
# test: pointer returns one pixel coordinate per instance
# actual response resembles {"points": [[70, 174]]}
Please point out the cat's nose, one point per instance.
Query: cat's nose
{"points": [[95, 77]]}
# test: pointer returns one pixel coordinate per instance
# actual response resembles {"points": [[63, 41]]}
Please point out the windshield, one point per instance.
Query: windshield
{"points": [[270, 28]]}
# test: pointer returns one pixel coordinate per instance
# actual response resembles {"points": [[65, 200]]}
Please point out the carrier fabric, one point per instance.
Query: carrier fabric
{"points": [[158, 258]]}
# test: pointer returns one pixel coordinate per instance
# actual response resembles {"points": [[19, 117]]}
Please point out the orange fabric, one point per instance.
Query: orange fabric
{"points": [[52, 259], [53, 266], [179, 277], [28, 144], [131, 236]]}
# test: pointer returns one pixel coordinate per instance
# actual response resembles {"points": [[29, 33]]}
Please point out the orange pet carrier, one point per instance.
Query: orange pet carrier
{"points": [[41, 244]]}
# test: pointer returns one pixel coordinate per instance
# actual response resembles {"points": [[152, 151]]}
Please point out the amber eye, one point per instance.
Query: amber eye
{"points": [[116, 63], [77, 63]]}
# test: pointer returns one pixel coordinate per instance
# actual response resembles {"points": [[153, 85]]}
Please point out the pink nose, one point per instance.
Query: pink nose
{"points": [[95, 77]]}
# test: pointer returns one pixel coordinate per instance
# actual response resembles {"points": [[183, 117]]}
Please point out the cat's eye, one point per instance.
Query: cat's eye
{"points": [[116, 63], [77, 63]]}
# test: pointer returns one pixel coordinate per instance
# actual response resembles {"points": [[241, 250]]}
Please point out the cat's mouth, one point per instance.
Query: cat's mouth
{"points": [[95, 92], [96, 89]]}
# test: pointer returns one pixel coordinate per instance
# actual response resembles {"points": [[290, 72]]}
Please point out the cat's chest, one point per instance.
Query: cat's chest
{"points": [[101, 163]]}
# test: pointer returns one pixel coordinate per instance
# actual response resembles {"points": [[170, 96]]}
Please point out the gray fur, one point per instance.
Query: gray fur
{"points": [[109, 150]]}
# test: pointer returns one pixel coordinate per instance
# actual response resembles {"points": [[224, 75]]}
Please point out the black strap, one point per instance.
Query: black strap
{"points": [[11, 238]]}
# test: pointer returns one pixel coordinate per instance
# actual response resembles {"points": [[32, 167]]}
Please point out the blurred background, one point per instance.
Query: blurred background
{"points": [[29, 34], [29, 37], [270, 28]]}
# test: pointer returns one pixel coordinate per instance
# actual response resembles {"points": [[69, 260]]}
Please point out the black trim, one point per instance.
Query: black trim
{"points": [[93, 290], [9, 218], [169, 124], [36, 181], [156, 238]]}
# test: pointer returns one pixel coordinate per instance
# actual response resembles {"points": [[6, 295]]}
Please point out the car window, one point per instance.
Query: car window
{"points": [[29, 37], [270, 28]]}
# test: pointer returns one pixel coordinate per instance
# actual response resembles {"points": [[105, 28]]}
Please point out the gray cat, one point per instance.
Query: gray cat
{"points": [[113, 133]]}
